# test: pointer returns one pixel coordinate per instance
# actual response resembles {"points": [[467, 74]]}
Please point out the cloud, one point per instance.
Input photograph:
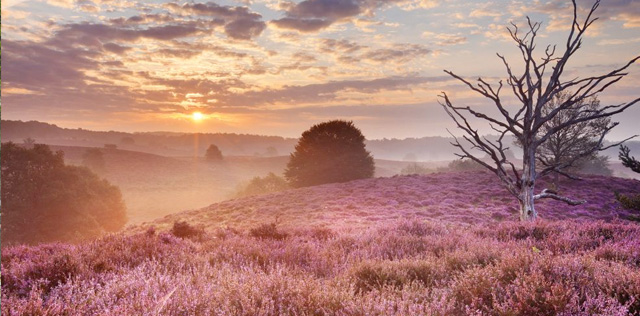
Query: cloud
{"points": [[561, 12], [326, 9], [484, 12], [28, 64], [399, 53], [325, 92], [240, 22], [618, 41], [443, 39], [302, 25], [144, 18], [244, 29], [302, 61], [349, 52], [115, 48], [90, 34], [342, 46], [314, 15]]}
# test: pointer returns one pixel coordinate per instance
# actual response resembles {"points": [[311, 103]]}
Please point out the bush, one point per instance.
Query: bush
{"points": [[268, 231], [371, 275], [329, 152], [268, 184], [93, 158], [630, 202], [183, 229], [44, 200], [43, 267], [213, 153], [465, 165], [415, 168], [127, 140]]}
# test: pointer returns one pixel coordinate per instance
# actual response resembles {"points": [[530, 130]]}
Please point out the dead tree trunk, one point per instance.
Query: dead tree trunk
{"points": [[526, 198], [533, 89]]}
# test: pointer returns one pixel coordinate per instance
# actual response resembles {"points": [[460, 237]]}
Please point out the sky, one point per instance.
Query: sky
{"points": [[276, 67]]}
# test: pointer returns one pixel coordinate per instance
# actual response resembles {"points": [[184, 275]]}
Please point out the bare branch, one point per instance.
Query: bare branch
{"points": [[547, 194]]}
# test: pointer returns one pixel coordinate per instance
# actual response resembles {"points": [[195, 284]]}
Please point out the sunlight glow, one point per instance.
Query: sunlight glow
{"points": [[197, 116]]}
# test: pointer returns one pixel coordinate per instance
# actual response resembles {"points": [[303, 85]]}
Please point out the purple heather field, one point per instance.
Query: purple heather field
{"points": [[438, 244]]}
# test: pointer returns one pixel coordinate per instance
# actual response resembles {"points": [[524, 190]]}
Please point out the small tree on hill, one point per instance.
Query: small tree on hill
{"points": [[533, 89], [127, 140], [329, 152], [271, 151], [44, 200], [213, 153], [628, 160], [28, 142], [93, 158]]}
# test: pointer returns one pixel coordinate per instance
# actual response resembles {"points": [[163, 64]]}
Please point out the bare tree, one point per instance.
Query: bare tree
{"points": [[534, 88]]}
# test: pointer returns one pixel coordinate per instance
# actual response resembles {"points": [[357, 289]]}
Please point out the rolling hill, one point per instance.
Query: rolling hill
{"points": [[154, 186], [467, 198]]}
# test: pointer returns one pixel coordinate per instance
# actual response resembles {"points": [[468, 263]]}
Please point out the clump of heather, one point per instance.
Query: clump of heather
{"points": [[268, 231], [630, 202], [408, 267], [183, 229]]}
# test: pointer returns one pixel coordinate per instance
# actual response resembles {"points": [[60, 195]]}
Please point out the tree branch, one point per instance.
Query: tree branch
{"points": [[549, 194]]}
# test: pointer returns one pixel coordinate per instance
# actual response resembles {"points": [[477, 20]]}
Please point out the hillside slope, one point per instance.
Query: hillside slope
{"points": [[154, 186], [468, 198]]}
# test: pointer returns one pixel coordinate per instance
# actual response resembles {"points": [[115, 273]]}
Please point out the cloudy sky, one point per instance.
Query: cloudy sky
{"points": [[276, 66]]}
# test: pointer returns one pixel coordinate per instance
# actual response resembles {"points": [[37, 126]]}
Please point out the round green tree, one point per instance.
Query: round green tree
{"points": [[329, 152]]}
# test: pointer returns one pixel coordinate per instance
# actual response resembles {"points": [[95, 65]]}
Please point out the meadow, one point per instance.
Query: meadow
{"points": [[439, 244], [403, 268]]}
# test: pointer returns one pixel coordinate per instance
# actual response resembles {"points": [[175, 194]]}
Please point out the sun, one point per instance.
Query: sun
{"points": [[197, 116]]}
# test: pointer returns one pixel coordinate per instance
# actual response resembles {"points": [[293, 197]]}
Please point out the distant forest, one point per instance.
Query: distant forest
{"points": [[190, 144]]}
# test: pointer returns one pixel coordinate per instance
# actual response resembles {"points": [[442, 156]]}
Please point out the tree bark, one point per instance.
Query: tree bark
{"points": [[528, 180]]}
